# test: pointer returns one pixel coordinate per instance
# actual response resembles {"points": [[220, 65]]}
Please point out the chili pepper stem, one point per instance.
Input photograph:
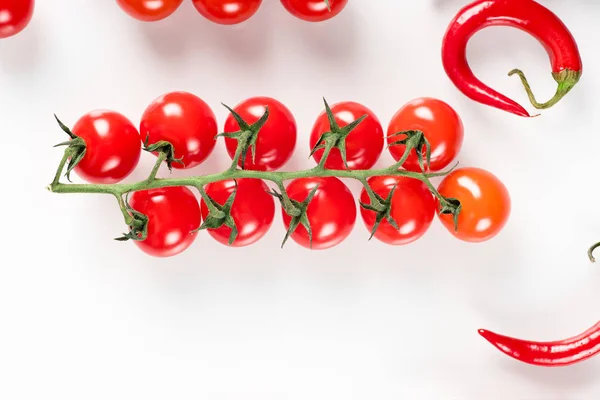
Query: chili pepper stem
{"points": [[591, 252], [566, 80]]}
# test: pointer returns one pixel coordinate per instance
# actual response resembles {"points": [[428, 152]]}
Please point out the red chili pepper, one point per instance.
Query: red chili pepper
{"points": [[548, 354], [528, 16]]}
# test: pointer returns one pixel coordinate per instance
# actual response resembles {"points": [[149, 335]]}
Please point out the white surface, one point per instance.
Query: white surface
{"points": [[85, 317]]}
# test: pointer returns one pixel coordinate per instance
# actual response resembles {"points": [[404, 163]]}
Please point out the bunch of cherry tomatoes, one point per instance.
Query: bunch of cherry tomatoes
{"points": [[231, 12], [114, 146], [15, 15]]}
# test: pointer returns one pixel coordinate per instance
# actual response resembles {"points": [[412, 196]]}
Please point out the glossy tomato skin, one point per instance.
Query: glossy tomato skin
{"points": [[314, 10], [413, 208], [276, 139], [185, 121], [15, 15], [173, 213], [332, 212], [486, 204], [364, 144], [253, 210], [113, 147], [149, 10], [441, 125], [227, 12]]}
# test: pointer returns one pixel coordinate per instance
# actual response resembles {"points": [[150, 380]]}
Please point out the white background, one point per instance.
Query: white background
{"points": [[85, 317]]}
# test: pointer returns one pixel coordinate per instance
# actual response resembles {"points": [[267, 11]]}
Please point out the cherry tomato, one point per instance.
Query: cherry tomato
{"points": [[276, 139], [364, 144], [15, 15], [412, 208], [113, 147], [253, 210], [331, 213], [149, 10], [227, 12], [441, 126], [185, 121], [173, 213], [485, 201], [314, 10]]}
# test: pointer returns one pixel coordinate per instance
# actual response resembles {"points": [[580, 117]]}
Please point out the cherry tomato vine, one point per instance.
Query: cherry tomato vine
{"points": [[237, 206]]}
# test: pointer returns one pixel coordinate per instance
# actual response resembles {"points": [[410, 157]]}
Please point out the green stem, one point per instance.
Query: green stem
{"points": [[61, 167], [160, 159], [566, 80], [123, 207]]}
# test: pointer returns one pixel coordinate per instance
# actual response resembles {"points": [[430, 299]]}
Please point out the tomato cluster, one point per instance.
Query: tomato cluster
{"points": [[231, 12], [261, 133]]}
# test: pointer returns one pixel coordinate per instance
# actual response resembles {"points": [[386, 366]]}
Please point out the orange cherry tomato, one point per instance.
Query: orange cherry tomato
{"points": [[485, 202]]}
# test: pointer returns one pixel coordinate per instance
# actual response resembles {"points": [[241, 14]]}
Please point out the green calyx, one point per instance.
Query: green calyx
{"points": [[336, 137], [566, 79], [76, 148], [246, 136], [452, 207], [327, 2], [382, 207], [165, 149], [413, 140], [219, 214], [297, 211], [138, 223]]}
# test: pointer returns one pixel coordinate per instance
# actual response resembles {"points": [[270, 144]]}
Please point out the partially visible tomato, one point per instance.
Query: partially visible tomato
{"points": [[185, 121], [253, 210], [331, 213], [149, 10], [173, 214], [15, 15], [113, 147], [314, 10], [441, 126], [485, 201], [276, 139], [364, 144], [412, 208], [227, 12]]}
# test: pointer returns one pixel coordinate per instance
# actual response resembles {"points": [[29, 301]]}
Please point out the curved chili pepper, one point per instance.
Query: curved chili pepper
{"points": [[528, 16], [548, 354]]}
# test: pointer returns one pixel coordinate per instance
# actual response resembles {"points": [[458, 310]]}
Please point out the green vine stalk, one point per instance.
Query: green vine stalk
{"points": [[219, 214]]}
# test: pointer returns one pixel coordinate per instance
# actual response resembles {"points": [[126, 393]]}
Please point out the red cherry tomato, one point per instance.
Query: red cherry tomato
{"points": [[149, 10], [485, 201], [113, 147], [413, 208], [15, 15], [253, 210], [441, 126], [185, 121], [364, 144], [173, 213], [332, 212], [314, 10], [276, 139], [227, 12]]}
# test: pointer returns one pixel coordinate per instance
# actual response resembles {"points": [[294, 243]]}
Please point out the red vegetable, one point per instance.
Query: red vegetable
{"points": [[185, 121], [253, 210], [112, 147], [331, 213], [149, 11], [441, 125], [528, 16], [276, 139], [15, 15], [412, 207], [364, 143], [548, 354], [227, 12], [173, 216], [314, 10]]}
